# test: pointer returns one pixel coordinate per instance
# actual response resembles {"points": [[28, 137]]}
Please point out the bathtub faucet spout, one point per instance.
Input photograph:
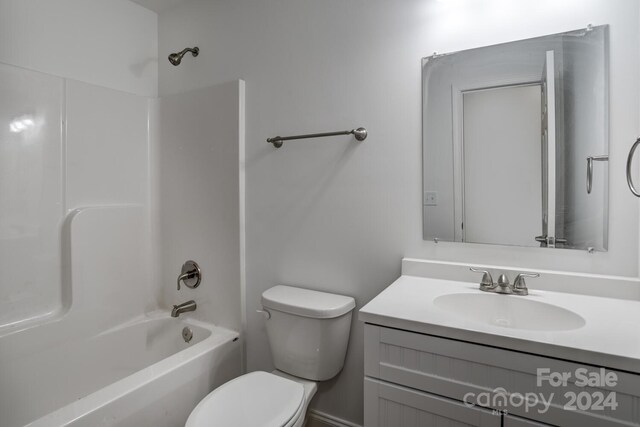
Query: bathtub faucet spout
{"points": [[183, 308]]}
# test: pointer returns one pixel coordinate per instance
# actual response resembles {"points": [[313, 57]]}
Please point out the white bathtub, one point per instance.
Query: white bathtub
{"points": [[141, 373]]}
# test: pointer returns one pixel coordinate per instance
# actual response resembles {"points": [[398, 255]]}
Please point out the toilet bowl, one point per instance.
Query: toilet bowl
{"points": [[308, 334]]}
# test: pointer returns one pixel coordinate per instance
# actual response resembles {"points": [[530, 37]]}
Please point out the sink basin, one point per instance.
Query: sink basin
{"points": [[509, 311]]}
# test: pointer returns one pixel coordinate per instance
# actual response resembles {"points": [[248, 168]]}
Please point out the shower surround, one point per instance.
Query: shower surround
{"points": [[89, 262]]}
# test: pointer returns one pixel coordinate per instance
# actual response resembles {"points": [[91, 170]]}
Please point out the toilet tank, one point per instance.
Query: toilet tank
{"points": [[308, 331]]}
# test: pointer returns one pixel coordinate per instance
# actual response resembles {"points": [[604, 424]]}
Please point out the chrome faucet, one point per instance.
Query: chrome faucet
{"points": [[503, 286], [183, 308]]}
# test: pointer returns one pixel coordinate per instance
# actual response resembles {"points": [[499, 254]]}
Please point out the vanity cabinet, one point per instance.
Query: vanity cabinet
{"points": [[413, 379]]}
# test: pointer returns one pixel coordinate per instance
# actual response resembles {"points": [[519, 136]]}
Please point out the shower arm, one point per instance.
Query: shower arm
{"points": [[194, 51]]}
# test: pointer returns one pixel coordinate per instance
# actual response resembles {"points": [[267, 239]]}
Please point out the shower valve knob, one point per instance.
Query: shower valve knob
{"points": [[191, 275]]}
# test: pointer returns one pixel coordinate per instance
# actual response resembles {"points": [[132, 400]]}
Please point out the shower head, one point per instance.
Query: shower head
{"points": [[176, 58]]}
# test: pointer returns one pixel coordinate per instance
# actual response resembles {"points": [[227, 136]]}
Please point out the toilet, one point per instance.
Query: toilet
{"points": [[308, 334]]}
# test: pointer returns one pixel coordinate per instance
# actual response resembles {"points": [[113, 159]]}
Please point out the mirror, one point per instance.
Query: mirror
{"points": [[515, 143]]}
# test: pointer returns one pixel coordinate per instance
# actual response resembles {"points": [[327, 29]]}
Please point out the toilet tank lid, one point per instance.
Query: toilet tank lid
{"points": [[307, 303]]}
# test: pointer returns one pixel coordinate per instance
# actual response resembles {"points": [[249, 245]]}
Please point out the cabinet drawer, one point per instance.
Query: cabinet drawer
{"points": [[454, 369], [390, 405]]}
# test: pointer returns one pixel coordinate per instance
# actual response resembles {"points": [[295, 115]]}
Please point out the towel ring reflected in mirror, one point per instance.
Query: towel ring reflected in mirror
{"points": [[629, 161]]}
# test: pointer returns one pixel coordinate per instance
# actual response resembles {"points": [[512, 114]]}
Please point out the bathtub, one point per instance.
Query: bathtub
{"points": [[141, 373]]}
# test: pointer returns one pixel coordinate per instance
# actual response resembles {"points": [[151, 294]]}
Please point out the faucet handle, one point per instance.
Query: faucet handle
{"points": [[520, 286], [191, 275], [487, 280]]}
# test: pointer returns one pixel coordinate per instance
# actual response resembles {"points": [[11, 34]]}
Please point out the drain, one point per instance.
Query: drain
{"points": [[187, 334]]}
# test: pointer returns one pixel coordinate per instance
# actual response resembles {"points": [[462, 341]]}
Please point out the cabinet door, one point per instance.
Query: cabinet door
{"points": [[390, 405], [511, 421]]}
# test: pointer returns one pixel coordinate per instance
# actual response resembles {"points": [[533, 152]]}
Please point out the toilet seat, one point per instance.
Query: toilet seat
{"points": [[257, 399]]}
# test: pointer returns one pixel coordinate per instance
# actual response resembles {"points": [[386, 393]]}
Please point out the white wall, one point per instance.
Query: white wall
{"points": [[196, 198], [108, 43], [337, 215]]}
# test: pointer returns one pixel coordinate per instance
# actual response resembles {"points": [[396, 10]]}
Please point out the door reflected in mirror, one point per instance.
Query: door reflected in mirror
{"points": [[515, 143]]}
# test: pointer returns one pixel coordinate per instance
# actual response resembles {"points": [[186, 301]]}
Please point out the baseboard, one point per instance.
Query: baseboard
{"points": [[320, 419]]}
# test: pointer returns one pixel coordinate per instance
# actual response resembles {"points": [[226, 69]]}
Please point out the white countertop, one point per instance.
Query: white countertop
{"points": [[609, 338]]}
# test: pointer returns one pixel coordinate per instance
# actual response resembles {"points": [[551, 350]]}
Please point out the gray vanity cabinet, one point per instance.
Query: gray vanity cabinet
{"points": [[413, 379]]}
